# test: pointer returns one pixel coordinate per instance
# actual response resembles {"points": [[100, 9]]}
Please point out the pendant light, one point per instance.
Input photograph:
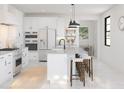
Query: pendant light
{"points": [[73, 23]]}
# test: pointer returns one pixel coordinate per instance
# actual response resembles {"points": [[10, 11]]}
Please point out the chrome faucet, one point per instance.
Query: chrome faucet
{"points": [[60, 42]]}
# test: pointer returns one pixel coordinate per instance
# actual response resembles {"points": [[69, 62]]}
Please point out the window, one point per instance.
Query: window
{"points": [[107, 31]]}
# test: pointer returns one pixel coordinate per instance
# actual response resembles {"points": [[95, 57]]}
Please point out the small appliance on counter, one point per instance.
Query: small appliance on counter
{"points": [[77, 55]]}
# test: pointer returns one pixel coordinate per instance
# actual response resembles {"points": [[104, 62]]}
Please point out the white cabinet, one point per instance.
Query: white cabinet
{"points": [[57, 67], [2, 69], [9, 66], [43, 55], [11, 28], [6, 17], [33, 56], [3, 13], [36, 23], [10, 15], [47, 38], [51, 38], [25, 59], [6, 69], [43, 39]]}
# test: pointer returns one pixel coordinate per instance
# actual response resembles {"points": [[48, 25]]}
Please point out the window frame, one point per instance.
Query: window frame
{"points": [[105, 38]]}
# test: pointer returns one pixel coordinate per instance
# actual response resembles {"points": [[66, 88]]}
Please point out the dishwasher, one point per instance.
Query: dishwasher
{"points": [[43, 55]]}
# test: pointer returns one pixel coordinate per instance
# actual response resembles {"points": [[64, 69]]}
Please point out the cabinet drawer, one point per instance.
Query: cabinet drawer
{"points": [[33, 55]]}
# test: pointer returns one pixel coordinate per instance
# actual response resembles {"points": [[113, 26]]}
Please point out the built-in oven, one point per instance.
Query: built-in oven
{"points": [[17, 59], [18, 65], [18, 62], [31, 46]]}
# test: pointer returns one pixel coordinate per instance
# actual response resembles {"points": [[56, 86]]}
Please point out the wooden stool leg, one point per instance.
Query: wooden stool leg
{"points": [[71, 73], [89, 67], [82, 72], [86, 65], [84, 75]]}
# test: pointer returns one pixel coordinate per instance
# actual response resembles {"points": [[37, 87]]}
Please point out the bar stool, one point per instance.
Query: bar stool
{"points": [[80, 66], [88, 61]]}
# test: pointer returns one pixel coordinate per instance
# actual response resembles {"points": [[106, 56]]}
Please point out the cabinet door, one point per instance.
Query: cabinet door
{"points": [[9, 66], [28, 24], [2, 69], [25, 57], [43, 55], [51, 38], [3, 13], [42, 39]]}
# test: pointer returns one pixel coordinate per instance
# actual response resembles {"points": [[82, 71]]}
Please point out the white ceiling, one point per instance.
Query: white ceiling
{"points": [[63, 9]]}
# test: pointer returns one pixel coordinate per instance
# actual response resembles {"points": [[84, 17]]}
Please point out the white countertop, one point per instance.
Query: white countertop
{"points": [[5, 52], [69, 51], [58, 65]]}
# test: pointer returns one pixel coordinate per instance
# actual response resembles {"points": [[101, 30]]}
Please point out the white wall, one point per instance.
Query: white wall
{"points": [[92, 35], [113, 55], [91, 30]]}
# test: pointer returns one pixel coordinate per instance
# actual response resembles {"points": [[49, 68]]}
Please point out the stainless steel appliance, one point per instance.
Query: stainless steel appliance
{"points": [[31, 40], [46, 42], [18, 62], [17, 59], [31, 46]]}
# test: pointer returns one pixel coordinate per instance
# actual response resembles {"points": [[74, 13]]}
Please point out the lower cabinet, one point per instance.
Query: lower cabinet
{"points": [[6, 68], [2, 69], [25, 59], [9, 66], [43, 55], [33, 56]]}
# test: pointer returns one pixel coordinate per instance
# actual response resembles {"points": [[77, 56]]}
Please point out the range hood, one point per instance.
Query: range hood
{"points": [[6, 24], [6, 15]]}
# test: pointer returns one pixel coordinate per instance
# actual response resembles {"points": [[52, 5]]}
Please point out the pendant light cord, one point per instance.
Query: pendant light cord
{"points": [[73, 11]]}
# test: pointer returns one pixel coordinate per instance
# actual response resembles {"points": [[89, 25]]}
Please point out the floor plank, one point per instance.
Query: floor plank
{"points": [[31, 78]]}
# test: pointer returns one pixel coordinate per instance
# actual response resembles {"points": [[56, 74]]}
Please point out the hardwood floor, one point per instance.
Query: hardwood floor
{"points": [[32, 77], [35, 75]]}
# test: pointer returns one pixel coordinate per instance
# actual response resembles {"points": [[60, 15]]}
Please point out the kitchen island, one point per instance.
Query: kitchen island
{"points": [[58, 65]]}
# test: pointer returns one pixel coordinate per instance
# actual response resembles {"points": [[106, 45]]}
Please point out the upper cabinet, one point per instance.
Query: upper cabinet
{"points": [[11, 26], [9, 15], [3, 13], [38, 23]]}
